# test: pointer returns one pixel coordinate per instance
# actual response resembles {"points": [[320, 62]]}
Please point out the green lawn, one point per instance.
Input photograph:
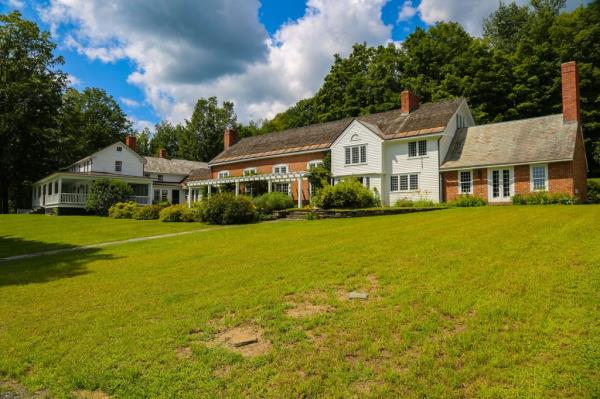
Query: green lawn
{"points": [[20, 234], [496, 302]]}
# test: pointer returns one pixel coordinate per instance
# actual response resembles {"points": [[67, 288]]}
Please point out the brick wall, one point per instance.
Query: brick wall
{"points": [[296, 163], [580, 169], [522, 179], [450, 184]]}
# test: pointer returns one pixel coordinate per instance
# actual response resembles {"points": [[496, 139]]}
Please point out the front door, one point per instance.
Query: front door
{"points": [[175, 196], [500, 188]]}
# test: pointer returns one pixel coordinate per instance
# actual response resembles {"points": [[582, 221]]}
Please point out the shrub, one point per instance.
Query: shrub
{"points": [[346, 194], [104, 193], [466, 200], [543, 198], [275, 201], [421, 203], [123, 210], [149, 212], [593, 191], [226, 208], [180, 213]]}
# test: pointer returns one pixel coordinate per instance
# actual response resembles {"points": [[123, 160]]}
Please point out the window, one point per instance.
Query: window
{"points": [[279, 169], [50, 189], [314, 164], [146, 174], [164, 195], [281, 187], [417, 147], [249, 171], [119, 148], [223, 174], [539, 175], [356, 155], [160, 177], [465, 181], [406, 182], [118, 166]]}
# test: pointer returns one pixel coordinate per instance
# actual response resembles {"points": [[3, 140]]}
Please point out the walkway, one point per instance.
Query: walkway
{"points": [[106, 244]]}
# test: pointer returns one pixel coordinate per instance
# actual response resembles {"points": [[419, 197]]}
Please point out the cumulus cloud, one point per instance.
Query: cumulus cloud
{"points": [[183, 50], [469, 13], [16, 4], [140, 124], [407, 11], [130, 102], [74, 80]]}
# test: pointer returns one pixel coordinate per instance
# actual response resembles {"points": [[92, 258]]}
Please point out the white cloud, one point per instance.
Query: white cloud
{"points": [[407, 11], [469, 13], [130, 102], [184, 50], [15, 4], [73, 80], [140, 124]]}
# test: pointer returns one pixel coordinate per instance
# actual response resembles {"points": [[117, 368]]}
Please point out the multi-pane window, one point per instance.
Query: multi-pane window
{"points": [[280, 169], [249, 171], [356, 155], [465, 181], [281, 187], [118, 166], [538, 177], [404, 182], [417, 148], [314, 164], [119, 148], [223, 174]]}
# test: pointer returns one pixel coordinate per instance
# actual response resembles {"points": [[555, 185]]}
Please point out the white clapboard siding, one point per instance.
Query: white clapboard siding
{"points": [[104, 161], [356, 134], [446, 139], [427, 167]]}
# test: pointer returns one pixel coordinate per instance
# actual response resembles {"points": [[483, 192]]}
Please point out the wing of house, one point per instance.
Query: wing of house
{"points": [[152, 178]]}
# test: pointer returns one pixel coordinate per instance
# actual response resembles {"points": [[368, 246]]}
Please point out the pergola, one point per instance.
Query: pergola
{"points": [[195, 193]]}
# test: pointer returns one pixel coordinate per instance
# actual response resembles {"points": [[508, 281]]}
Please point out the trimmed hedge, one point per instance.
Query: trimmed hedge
{"points": [[543, 198], [406, 203], [149, 212], [274, 201], [345, 194], [467, 201], [122, 210], [226, 208], [181, 213]]}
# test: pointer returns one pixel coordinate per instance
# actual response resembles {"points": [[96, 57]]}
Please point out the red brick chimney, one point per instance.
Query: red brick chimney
{"points": [[131, 142], [408, 101], [570, 92], [162, 153], [229, 138]]}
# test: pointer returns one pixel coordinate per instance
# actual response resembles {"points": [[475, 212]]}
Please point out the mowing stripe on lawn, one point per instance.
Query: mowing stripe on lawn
{"points": [[106, 244]]}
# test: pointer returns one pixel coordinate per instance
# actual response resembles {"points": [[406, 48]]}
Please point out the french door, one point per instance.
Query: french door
{"points": [[500, 187]]}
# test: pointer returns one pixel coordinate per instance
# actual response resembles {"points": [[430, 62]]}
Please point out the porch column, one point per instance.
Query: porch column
{"points": [[299, 192], [209, 190], [190, 191], [237, 188], [59, 190], [269, 185]]}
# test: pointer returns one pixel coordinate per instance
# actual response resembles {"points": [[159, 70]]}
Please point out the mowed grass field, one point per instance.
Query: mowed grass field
{"points": [[492, 302]]}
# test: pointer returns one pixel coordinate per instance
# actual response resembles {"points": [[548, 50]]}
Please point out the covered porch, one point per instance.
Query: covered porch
{"points": [[295, 184], [71, 190]]}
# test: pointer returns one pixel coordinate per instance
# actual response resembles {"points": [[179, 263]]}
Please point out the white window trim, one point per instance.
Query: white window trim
{"points": [[223, 174], [460, 182], [545, 166], [359, 163], [287, 168], [315, 162], [408, 182], [252, 170], [417, 156]]}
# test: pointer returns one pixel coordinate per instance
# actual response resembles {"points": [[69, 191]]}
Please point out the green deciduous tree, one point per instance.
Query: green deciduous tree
{"points": [[104, 193], [30, 96], [166, 136]]}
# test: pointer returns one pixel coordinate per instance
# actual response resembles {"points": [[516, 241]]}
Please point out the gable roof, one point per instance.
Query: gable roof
{"points": [[428, 118], [102, 149], [172, 166], [545, 138]]}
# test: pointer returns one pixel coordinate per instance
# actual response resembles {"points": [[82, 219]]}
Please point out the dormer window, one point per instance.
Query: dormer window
{"points": [[119, 148], [118, 166]]}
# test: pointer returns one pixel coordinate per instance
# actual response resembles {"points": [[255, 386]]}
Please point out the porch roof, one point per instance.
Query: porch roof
{"points": [[273, 177], [94, 175]]}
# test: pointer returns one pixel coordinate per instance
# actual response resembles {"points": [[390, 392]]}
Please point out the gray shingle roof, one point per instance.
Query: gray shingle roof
{"points": [[428, 118], [172, 166], [545, 138]]}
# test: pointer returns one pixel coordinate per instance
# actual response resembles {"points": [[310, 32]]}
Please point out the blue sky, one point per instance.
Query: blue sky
{"points": [[157, 57]]}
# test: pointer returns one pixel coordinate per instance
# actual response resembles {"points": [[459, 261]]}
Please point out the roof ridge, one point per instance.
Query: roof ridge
{"points": [[513, 121]]}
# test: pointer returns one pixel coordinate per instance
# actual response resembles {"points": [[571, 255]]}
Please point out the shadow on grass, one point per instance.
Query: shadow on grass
{"points": [[43, 268]]}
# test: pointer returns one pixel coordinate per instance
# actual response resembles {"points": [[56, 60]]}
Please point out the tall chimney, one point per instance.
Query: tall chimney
{"points": [[229, 138], [408, 101], [131, 142], [570, 92], [162, 153]]}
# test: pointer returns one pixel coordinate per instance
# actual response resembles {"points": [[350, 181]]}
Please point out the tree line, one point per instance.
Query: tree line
{"points": [[512, 72]]}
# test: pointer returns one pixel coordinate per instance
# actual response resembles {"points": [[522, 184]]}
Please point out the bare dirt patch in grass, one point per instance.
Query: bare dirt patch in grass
{"points": [[14, 390], [301, 310], [97, 394], [183, 353], [222, 371], [247, 340]]}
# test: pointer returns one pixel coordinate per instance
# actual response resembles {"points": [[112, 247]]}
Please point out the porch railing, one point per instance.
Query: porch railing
{"points": [[73, 198]]}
